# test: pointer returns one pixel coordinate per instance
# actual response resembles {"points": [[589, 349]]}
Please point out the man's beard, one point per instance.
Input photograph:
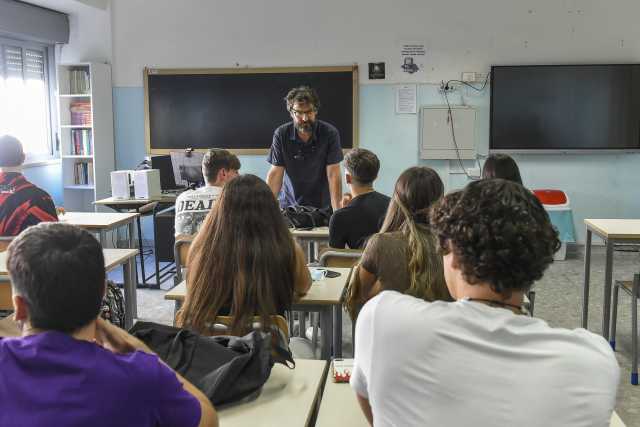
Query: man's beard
{"points": [[305, 127]]}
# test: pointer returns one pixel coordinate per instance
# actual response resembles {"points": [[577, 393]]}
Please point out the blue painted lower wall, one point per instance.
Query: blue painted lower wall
{"points": [[49, 178], [599, 185]]}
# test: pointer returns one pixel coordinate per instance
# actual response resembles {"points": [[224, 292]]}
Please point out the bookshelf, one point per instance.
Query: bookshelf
{"points": [[86, 133]]}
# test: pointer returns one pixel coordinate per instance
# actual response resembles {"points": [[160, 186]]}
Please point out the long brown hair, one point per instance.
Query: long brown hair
{"points": [[416, 190], [243, 258]]}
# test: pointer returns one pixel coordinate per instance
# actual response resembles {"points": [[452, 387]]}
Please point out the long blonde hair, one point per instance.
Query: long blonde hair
{"points": [[415, 191]]}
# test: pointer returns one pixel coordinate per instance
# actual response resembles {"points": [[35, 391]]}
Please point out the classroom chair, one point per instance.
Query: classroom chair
{"points": [[180, 254], [631, 288]]}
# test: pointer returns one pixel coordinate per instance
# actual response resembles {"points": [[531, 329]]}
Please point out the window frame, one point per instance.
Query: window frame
{"points": [[53, 144]]}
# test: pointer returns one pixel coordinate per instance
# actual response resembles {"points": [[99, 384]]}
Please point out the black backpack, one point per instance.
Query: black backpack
{"points": [[225, 368], [307, 217]]}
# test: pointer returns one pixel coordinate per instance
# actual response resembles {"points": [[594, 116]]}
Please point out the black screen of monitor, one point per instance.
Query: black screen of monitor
{"points": [[163, 164], [568, 107]]}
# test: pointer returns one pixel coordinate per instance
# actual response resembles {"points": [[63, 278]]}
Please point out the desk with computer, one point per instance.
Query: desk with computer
{"points": [[152, 191]]}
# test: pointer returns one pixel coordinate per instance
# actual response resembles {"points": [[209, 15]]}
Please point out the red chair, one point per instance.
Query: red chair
{"points": [[555, 198]]}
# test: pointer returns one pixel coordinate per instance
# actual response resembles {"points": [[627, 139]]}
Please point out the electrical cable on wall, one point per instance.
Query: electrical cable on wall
{"points": [[445, 88]]}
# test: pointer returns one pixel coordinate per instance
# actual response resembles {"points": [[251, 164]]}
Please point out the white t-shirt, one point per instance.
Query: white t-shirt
{"points": [[468, 364], [192, 207]]}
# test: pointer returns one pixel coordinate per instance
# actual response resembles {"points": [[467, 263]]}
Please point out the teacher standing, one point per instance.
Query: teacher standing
{"points": [[305, 155]]}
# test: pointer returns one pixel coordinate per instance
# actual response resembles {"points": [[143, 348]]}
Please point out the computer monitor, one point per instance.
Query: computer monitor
{"points": [[167, 179], [187, 168]]}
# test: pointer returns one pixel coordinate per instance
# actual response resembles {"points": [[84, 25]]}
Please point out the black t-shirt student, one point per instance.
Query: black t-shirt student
{"points": [[353, 224]]}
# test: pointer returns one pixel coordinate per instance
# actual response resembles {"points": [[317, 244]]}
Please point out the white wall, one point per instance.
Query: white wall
{"points": [[462, 35], [90, 29]]}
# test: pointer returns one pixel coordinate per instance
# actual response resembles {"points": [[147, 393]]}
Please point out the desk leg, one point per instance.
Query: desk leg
{"points": [[302, 323], [326, 326], [176, 307], [606, 299], [130, 230], [103, 238], [139, 224], [585, 286], [130, 297], [337, 331]]}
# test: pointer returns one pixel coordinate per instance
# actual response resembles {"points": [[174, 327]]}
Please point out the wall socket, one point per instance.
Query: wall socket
{"points": [[473, 77]]}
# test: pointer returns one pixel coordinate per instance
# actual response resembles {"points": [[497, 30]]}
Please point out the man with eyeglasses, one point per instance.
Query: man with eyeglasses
{"points": [[305, 155]]}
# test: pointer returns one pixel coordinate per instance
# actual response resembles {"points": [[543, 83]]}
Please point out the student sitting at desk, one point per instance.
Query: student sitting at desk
{"points": [[21, 203], [364, 209], [479, 360], [192, 206], [403, 256], [501, 166], [244, 261], [71, 368]]}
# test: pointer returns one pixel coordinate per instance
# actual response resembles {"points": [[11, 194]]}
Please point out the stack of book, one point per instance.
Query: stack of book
{"points": [[79, 82], [83, 173], [80, 113], [81, 142]]}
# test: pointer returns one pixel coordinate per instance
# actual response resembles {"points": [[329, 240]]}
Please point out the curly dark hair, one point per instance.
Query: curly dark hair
{"points": [[499, 233]]}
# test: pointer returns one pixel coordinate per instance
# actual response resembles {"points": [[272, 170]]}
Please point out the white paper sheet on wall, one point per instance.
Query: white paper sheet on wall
{"points": [[406, 99]]}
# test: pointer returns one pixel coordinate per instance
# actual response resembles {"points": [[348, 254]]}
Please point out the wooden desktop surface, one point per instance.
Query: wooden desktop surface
{"points": [[97, 220], [339, 407], [112, 201], [615, 228], [112, 259], [317, 232], [323, 292], [286, 399]]}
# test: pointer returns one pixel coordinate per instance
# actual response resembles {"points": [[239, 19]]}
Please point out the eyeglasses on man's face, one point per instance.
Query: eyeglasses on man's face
{"points": [[303, 113]]}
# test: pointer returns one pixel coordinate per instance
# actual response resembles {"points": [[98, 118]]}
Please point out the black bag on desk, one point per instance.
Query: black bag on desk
{"points": [[225, 368], [301, 217]]}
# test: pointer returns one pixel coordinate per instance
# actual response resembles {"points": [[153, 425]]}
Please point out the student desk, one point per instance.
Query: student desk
{"points": [[126, 205], [288, 398], [311, 238], [612, 231], [325, 297], [339, 407], [101, 222], [112, 259]]}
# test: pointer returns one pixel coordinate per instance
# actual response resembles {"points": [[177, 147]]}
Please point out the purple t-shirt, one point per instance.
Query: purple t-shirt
{"points": [[53, 379]]}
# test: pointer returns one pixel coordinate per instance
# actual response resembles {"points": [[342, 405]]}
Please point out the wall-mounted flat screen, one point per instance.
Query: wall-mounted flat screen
{"points": [[565, 108]]}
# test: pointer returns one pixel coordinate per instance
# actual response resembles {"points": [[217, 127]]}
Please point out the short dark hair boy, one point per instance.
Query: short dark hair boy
{"points": [[215, 160], [73, 367], [363, 209], [192, 207], [363, 166]]}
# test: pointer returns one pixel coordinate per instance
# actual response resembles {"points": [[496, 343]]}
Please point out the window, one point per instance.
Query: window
{"points": [[25, 96]]}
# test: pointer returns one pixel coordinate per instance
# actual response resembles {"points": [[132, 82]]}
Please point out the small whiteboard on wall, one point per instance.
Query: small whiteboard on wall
{"points": [[436, 140]]}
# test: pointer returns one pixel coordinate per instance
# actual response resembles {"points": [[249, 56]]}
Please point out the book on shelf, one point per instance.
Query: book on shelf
{"points": [[81, 142], [83, 173], [80, 113], [79, 82]]}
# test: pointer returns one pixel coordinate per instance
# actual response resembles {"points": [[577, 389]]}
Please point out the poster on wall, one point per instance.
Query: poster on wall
{"points": [[376, 70], [406, 99], [412, 61]]}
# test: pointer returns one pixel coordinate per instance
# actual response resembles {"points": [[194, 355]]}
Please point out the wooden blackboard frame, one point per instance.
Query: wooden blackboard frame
{"points": [[213, 71]]}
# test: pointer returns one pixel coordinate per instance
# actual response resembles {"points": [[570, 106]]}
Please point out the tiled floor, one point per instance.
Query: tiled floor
{"points": [[558, 301]]}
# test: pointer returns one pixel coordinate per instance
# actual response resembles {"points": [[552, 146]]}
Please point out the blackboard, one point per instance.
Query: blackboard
{"points": [[238, 109]]}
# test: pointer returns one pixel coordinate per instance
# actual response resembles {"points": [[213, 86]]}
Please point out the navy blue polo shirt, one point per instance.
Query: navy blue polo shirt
{"points": [[305, 163]]}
